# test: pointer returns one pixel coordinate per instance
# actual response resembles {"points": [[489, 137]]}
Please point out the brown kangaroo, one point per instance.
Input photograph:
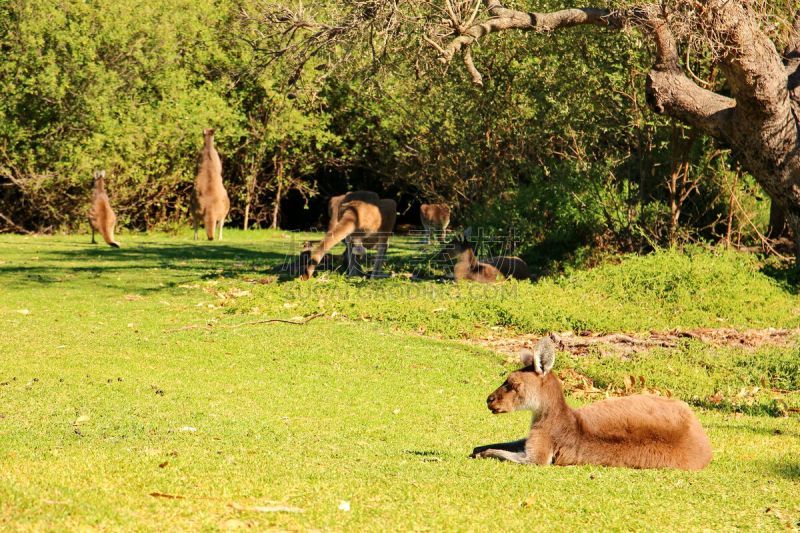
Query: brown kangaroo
{"points": [[368, 223], [435, 218], [210, 200], [510, 266], [467, 267], [635, 431], [101, 216]]}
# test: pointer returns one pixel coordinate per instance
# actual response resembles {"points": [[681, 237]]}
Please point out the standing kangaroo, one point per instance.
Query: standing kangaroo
{"points": [[210, 200], [635, 431], [101, 216], [435, 218], [368, 223]]}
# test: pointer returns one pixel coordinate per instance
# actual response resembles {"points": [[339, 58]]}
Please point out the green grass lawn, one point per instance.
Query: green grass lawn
{"points": [[121, 376]]}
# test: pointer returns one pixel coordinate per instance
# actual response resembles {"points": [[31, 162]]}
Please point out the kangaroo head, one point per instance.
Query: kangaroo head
{"points": [[523, 389], [453, 249], [208, 132], [99, 177]]}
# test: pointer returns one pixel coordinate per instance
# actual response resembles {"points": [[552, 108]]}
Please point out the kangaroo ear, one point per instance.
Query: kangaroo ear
{"points": [[544, 355], [526, 357]]}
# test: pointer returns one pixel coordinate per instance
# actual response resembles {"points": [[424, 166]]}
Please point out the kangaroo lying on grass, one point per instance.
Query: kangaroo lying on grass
{"points": [[101, 216], [210, 199], [435, 218], [368, 223], [467, 267], [635, 431]]}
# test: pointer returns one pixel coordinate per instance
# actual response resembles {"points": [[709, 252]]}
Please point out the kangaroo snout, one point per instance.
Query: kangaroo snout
{"points": [[490, 403]]}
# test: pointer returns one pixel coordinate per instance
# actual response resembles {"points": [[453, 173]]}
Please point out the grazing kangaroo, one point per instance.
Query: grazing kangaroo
{"points": [[510, 266], [368, 224], [435, 218], [210, 200], [635, 431], [352, 246], [467, 267], [101, 216]]}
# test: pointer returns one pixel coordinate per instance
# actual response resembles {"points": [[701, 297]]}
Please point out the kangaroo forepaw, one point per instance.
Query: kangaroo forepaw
{"points": [[477, 453]]}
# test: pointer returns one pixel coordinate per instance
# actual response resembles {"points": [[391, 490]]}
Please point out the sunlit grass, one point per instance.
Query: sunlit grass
{"points": [[119, 378]]}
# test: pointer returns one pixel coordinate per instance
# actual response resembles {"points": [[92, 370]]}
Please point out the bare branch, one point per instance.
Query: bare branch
{"points": [[671, 92], [748, 58], [477, 79], [502, 19]]}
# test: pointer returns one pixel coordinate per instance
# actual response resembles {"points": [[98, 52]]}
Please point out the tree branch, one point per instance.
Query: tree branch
{"points": [[749, 59], [671, 92], [502, 19]]}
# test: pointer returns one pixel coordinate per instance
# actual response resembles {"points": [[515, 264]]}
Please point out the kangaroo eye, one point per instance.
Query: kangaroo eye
{"points": [[508, 386]]}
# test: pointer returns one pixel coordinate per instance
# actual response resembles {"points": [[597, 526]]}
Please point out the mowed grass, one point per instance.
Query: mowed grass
{"points": [[121, 376]]}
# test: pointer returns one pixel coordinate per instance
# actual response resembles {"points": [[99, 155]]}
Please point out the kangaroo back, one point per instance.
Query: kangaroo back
{"points": [[510, 266], [335, 204], [210, 203]]}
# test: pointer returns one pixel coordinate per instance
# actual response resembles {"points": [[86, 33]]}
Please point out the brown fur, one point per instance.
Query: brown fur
{"points": [[367, 223], [210, 201], [467, 267], [435, 218], [510, 266], [635, 431], [101, 216], [335, 204]]}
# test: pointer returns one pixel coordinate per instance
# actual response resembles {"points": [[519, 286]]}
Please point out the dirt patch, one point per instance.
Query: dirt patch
{"points": [[625, 345]]}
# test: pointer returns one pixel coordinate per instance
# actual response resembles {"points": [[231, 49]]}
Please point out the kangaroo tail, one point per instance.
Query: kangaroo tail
{"points": [[108, 236]]}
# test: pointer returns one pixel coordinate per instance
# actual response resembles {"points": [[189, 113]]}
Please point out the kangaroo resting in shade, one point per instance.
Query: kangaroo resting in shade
{"points": [[101, 216]]}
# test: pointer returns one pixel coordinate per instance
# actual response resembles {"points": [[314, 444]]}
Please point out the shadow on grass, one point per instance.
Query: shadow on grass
{"points": [[757, 430], [788, 275], [765, 407], [790, 469], [198, 260]]}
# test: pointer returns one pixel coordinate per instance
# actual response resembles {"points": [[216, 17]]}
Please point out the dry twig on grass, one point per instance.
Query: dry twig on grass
{"points": [[251, 323]]}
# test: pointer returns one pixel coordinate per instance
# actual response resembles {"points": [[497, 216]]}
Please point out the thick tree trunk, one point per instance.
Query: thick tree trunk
{"points": [[777, 222]]}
